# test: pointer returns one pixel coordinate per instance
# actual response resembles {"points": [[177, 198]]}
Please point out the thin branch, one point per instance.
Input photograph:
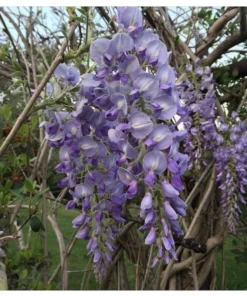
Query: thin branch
{"points": [[156, 20], [148, 267], [193, 255], [31, 102], [172, 283], [5, 73], [223, 47], [212, 243], [8, 237], [206, 268], [11, 39], [44, 218], [18, 30], [69, 248], [216, 29], [194, 272], [62, 249], [202, 203], [242, 102], [29, 82], [241, 51], [198, 183], [235, 70], [43, 149], [19, 234], [219, 108], [123, 279], [193, 223], [117, 255], [108, 20]]}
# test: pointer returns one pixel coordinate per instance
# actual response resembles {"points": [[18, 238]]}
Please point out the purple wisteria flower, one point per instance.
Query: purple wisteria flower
{"points": [[68, 74], [231, 161], [119, 142], [140, 125], [130, 19], [160, 138], [164, 107], [198, 115]]}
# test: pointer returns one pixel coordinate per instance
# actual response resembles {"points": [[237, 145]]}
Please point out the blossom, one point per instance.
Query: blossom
{"points": [[164, 107], [68, 74], [140, 124], [119, 141], [130, 18], [160, 138]]}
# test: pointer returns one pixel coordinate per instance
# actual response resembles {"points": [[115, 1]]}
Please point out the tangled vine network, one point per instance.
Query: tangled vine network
{"points": [[134, 132]]}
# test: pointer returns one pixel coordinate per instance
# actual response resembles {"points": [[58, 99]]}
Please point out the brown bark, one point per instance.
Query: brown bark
{"points": [[228, 43], [216, 29]]}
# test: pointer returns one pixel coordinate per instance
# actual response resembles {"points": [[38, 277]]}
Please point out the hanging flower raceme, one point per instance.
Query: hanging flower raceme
{"points": [[120, 142], [231, 161], [198, 114], [214, 138]]}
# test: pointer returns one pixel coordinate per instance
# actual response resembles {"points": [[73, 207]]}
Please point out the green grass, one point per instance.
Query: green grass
{"points": [[78, 259], [235, 273]]}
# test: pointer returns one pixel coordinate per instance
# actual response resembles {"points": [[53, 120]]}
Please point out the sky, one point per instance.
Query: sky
{"points": [[51, 19]]}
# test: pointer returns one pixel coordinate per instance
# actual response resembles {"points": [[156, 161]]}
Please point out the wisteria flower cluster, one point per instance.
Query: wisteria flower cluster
{"points": [[120, 142], [198, 114], [231, 162], [207, 132]]}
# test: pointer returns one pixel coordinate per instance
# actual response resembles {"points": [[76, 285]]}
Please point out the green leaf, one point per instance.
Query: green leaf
{"points": [[23, 275], [187, 174], [40, 286], [40, 193], [16, 194], [8, 185], [202, 13], [28, 185], [17, 74], [23, 159], [6, 199], [237, 252], [207, 154], [34, 121], [35, 224], [6, 111], [83, 10], [1, 198], [49, 287], [19, 82], [79, 19], [17, 66], [11, 158], [2, 165], [24, 129], [32, 285]]}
